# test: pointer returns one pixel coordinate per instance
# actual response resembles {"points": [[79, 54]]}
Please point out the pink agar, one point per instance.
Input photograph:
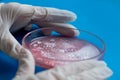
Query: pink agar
{"points": [[53, 51]]}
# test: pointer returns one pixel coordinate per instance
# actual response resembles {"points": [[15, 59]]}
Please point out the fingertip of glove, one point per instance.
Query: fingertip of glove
{"points": [[71, 15]]}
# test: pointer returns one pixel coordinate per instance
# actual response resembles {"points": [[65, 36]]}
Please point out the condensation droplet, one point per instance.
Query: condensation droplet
{"points": [[49, 44], [52, 40], [39, 42], [35, 45], [62, 51]]}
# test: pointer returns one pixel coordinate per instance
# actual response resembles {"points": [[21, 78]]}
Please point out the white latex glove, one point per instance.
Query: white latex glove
{"points": [[84, 70], [14, 16]]}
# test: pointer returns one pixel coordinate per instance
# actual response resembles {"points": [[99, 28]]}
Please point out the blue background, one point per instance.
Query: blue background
{"points": [[101, 17]]}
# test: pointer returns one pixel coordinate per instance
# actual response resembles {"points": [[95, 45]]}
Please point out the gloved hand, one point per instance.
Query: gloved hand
{"points": [[14, 16], [84, 70]]}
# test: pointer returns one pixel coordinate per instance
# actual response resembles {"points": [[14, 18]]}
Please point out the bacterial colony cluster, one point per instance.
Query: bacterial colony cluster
{"points": [[51, 51]]}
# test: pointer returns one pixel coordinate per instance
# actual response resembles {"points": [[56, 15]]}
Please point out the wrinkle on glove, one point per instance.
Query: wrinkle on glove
{"points": [[25, 61]]}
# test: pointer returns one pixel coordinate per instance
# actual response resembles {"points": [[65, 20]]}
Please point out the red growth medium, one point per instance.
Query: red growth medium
{"points": [[52, 51]]}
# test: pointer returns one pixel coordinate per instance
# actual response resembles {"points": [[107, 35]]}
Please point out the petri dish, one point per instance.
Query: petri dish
{"points": [[57, 49]]}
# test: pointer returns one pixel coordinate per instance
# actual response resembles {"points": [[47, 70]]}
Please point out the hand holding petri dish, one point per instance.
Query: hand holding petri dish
{"points": [[56, 49]]}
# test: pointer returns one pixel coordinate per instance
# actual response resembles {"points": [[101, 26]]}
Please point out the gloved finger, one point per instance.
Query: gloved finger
{"points": [[45, 14], [28, 27], [98, 73], [26, 65], [8, 43], [30, 77], [62, 28], [61, 72], [10, 46], [16, 15]]}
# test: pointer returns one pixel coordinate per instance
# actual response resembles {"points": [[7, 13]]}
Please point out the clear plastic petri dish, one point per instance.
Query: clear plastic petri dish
{"points": [[57, 49]]}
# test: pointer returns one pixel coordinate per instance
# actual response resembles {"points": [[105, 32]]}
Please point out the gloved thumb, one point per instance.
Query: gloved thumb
{"points": [[11, 46]]}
